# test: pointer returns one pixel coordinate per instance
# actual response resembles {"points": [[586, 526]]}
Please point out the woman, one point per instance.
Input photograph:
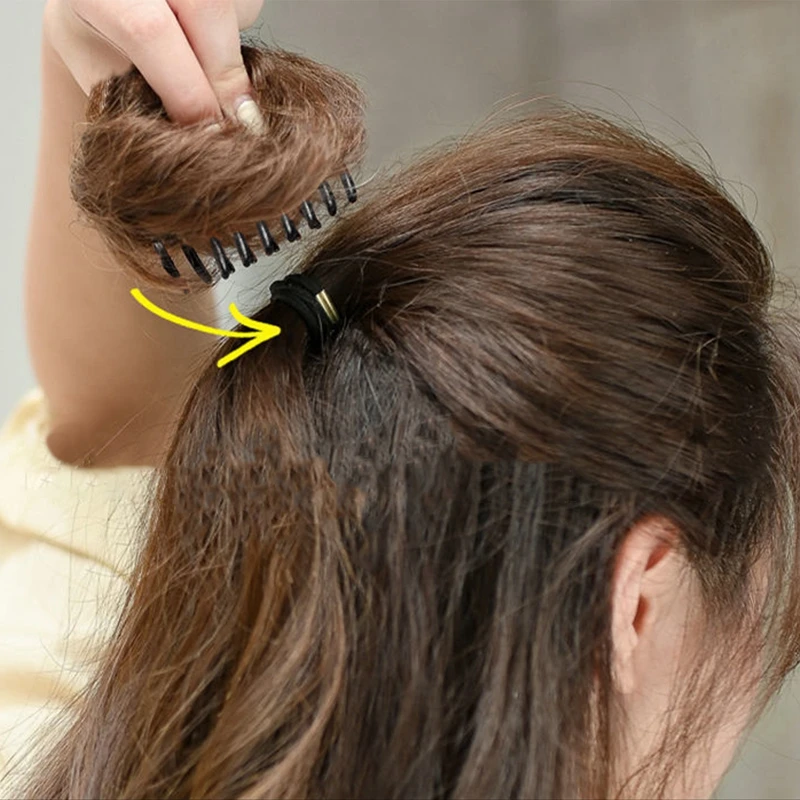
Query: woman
{"points": [[521, 525]]}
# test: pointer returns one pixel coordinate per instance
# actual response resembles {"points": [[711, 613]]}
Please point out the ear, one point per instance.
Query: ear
{"points": [[645, 572]]}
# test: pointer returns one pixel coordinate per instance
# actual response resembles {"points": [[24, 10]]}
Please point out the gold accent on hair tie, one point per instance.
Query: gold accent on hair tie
{"points": [[327, 306]]}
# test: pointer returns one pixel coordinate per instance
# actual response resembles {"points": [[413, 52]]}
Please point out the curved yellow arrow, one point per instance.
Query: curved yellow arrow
{"points": [[261, 333]]}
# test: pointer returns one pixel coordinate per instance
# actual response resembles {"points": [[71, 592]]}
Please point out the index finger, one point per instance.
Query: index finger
{"points": [[153, 39], [212, 28]]}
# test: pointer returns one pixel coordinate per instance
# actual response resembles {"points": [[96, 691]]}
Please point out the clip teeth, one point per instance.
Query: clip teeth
{"points": [[196, 263], [292, 234], [349, 187], [270, 246], [223, 262], [307, 210], [328, 197], [268, 243], [247, 256], [166, 259]]}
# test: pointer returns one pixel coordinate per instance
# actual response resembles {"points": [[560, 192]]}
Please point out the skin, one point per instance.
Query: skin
{"points": [[114, 375], [656, 623]]}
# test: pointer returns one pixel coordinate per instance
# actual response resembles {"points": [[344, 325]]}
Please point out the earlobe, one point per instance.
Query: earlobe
{"points": [[639, 564]]}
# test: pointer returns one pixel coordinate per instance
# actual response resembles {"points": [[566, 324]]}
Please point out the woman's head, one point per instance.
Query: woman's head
{"points": [[508, 536]]}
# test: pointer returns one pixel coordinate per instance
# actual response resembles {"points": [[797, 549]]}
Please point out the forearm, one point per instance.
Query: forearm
{"points": [[114, 374]]}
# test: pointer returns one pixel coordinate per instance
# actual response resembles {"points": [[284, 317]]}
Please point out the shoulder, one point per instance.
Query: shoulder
{"points": [[68, 539], [93, 512]]}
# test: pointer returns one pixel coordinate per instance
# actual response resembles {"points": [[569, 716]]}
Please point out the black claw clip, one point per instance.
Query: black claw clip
{"points": [[268, 243]]}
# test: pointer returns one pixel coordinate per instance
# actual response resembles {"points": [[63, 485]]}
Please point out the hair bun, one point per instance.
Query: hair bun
{"points": [[137, 176]]}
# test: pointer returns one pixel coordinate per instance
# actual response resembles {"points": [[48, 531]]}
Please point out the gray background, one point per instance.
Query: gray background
{"points": [[724, 74]]}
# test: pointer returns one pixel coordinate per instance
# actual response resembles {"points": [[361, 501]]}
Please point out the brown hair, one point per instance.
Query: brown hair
{"points": [[386, 571], [137, 176]]}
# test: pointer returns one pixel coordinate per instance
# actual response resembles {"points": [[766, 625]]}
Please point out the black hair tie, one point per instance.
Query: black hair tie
{"points": [[307, 297]]}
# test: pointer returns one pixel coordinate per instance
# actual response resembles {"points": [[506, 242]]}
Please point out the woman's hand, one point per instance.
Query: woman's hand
{"points": [[187, 50], [114, 380]]}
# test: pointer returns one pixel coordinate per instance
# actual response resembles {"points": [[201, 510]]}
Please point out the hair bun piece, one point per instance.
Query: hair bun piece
{"points": [[147, 183]]}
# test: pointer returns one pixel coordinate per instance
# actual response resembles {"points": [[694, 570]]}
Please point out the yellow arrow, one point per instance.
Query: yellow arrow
{"points": [[261, 333]]}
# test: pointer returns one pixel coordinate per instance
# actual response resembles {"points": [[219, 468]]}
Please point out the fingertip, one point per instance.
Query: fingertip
{"points": [[249, 114]]}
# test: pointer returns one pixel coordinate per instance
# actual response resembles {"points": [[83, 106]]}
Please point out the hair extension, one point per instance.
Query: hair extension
{"points": [[139, 177]]}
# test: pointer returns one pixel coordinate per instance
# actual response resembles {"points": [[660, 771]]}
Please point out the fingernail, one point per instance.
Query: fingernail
{"points": [[214, 126], [248, 113]]}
